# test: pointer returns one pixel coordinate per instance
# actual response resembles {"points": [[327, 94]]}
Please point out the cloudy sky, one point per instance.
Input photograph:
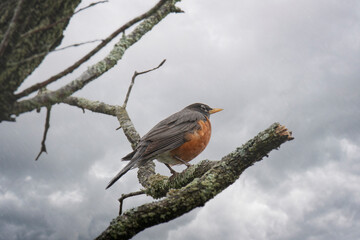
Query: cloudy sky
{"points": [[293, 62]]}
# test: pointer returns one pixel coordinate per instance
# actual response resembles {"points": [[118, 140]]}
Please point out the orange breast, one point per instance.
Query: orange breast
{"points": [[196, 144]]}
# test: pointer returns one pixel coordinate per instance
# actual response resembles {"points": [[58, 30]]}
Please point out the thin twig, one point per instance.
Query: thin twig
{"points": [[133, 81], [70, 69], [77, 44], [90, 5], [11, 29], [28, 59], [60, 20], [47, 126], [124, 196]]}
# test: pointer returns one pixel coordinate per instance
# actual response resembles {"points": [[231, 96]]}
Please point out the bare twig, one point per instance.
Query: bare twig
{"points": [[124, 196], [11, 29], [90, 5], [133, 81], [91, 53], [60, 20], [47, 126], [28, 59], [77, 44], [47, 52], [55, 50]]}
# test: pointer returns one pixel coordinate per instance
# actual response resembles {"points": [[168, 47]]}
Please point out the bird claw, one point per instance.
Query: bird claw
{"points": [[172, 171]]}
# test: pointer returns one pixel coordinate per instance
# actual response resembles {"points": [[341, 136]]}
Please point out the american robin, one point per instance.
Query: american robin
{"points": [[175, 140]]}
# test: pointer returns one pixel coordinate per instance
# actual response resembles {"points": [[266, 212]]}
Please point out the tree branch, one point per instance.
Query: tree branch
{"points": [[77, 44], [12, 27], [127, 126], [97, 69], [47, 126], [124, 196], [92, 52], [157, 186], [200, 190], [39, 29], [133, 81], [47, 52], [94, 106]]}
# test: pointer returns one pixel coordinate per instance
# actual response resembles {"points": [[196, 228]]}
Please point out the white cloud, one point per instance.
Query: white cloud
{"points": [[9, 197], [351, 150], [100, 171], [65, 198]]}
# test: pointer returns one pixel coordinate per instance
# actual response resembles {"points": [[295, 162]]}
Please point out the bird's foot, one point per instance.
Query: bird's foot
{"points": [[172, 171], [173, 175], [184, 162]]}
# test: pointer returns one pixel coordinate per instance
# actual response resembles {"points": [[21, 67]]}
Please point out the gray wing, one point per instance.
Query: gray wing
{"points": [[167, 135], [171, 132]]}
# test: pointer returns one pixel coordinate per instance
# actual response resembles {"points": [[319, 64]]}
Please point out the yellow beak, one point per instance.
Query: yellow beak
{"points": [[215, 110]]}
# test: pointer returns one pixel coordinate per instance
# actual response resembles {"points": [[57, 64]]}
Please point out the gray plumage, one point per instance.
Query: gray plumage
{"points": [[165, 136]]}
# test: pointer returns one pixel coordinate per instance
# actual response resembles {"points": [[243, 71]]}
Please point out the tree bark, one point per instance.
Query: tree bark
{"points": [[19, 45]]}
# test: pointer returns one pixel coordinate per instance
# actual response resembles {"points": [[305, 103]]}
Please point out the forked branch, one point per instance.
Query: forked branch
{"points": [[47, 126], [133, 81]]}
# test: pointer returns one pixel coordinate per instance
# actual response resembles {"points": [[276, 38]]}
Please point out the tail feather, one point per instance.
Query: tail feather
{"points": [[129, 156], [121, 173]]}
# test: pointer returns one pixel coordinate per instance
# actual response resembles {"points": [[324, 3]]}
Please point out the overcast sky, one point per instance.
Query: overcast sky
{"points": [[293, 62]]}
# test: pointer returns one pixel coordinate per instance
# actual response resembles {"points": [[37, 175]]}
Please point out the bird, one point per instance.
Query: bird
{"points": [[175, 140]]}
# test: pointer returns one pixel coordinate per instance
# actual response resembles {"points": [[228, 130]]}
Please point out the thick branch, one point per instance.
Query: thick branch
{"points": [[91, 53], [99, 68], [158, 186], [200, 190]]}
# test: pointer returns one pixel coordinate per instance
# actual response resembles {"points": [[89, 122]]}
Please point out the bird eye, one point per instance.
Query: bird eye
{"points": [[203, 108]]}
